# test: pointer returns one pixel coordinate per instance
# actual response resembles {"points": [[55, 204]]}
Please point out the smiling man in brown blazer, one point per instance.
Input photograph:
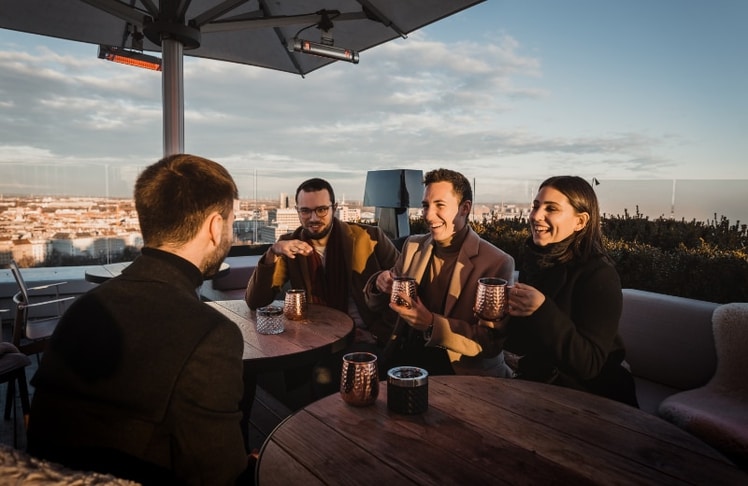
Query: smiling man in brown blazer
{"points": [[439, 330]]}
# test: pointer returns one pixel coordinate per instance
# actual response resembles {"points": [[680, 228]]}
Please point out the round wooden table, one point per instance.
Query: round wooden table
{"points": [[482, 430], [325, 331]]}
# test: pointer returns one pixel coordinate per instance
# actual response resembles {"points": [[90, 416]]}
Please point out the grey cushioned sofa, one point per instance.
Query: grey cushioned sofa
{"points": [[669, 344]]}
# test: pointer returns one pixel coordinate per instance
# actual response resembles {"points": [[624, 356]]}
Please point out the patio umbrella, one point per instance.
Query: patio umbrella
{"points": [[273, 34]]}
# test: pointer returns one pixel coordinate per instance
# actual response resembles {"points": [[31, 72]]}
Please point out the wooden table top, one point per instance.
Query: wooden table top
{"points": [[483, 430], [325, 331]]}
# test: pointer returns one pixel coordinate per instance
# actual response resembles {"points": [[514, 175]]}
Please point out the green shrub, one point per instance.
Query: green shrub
{"points": [[699, 260], [669, 234]]}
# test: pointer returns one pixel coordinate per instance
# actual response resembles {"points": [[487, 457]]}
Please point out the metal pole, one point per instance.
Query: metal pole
{"points": [[474, 197], [254, 211], [173, 96]]}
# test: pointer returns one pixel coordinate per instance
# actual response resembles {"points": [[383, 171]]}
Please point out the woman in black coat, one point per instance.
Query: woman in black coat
{"points": [[566, 306]]}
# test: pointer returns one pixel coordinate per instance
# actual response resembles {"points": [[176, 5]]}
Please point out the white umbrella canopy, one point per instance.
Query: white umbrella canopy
{"points": [[254, 32]]}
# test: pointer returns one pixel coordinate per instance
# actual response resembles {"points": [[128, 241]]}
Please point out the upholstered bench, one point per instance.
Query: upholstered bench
{"points": [[718, 411], [669, 344], [689, 359]]}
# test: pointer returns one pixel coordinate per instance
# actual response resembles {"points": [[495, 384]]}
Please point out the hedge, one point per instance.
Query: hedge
{"points": [[699, 260]]}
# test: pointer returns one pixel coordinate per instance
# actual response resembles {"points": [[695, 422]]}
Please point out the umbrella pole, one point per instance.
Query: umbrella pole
{"points": [[173, 96]]}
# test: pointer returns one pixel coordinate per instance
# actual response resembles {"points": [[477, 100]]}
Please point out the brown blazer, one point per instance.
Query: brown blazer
{"points": [[472, 348]]}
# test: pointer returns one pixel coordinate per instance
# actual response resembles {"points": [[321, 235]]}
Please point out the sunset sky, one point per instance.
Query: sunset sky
{"points": [[508, 92]]}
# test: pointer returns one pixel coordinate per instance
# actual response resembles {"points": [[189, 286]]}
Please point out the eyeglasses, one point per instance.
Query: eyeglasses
{"points": [[320, 211]]}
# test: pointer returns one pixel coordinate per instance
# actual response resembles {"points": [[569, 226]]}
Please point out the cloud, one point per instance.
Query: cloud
{"points": [[414, 103]]}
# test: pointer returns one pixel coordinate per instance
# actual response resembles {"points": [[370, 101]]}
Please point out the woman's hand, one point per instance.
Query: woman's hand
{"points": [[524, 300], [414, 313]]}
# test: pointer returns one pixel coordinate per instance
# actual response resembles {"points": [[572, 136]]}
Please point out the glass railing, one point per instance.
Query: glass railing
{"points": [[42, 225]]}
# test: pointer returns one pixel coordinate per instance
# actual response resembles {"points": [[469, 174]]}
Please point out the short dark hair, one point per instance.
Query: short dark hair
{"points": [[313, 185], [175, 195], [460, 184]]}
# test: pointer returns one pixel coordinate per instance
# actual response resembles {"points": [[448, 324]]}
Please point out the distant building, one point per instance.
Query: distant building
{"points": [[344, 213], [96, 246], [510, 211], [6, 250], [70, 244], [480, 212], [25, 250], [367, 217], [287, 217], [270, 234]]}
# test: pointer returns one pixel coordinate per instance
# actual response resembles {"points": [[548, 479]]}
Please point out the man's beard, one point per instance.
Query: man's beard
{"points": [[317, 236], [213, 261]]}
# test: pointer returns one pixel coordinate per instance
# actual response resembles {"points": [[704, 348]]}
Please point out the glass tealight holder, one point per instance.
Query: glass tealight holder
{"points": [[270, 320]]}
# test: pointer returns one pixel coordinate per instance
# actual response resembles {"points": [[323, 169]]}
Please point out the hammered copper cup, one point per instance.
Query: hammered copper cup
{"points": [[402, 286], [295, 305], [359, 381], [491, 298]]}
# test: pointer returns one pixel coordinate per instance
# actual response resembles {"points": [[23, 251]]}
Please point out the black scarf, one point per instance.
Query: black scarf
{"points": [[539, 259], [329, 281]]}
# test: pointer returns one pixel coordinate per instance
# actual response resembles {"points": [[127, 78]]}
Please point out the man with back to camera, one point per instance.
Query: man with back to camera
{"points": [[141, 379], [440, 330], [332, 261]]}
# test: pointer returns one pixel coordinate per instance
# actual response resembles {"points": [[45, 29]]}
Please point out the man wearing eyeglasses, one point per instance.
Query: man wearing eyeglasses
{"points": [[330, 259]]}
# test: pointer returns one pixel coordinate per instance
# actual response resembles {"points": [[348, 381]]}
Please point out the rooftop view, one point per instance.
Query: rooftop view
{"points": [[507, 92], [554, 288]]}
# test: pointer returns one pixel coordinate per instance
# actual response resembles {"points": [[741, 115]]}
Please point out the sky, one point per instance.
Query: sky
{"points": [[508, 92]]}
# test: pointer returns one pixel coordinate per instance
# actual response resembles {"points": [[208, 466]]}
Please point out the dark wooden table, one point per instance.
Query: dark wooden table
{"points": [[102, 273], [324, 332], [481, 430]]}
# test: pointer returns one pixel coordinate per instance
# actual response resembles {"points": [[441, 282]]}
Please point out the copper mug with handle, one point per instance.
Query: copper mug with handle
{"points": [[491, 298], [403, 286]]}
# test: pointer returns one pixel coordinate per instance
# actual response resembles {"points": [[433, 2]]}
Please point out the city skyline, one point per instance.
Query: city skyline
{"points": [[700, 200], [506, 92]]}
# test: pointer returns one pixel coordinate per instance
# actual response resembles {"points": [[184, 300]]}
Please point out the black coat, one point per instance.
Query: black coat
{"points": [[572, 339], [140, 372]]}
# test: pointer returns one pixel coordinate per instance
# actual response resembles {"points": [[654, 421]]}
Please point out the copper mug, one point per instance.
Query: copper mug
{"points": [[403, 286], [491, 298], [359, 381], [295, 305]]}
